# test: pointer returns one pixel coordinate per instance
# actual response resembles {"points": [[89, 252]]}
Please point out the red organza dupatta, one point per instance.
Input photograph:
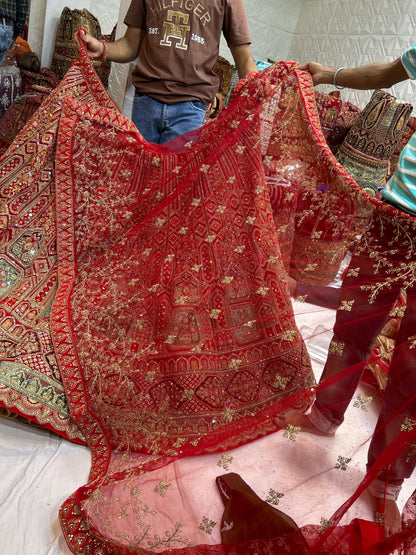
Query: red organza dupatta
{"points": [[172, 324], [180, 337]]}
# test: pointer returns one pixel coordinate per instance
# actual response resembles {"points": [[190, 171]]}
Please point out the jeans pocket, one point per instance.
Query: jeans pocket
{"points": [[198, 106]]}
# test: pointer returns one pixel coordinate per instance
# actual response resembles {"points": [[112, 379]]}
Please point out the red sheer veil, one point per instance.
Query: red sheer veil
{"points": [[175, 320]]}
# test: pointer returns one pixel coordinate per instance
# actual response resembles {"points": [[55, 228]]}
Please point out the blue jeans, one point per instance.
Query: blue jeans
{"points": [[159, 122], [6, 38]]}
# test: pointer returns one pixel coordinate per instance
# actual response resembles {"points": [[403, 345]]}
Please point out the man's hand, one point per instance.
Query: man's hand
{"points": [[320, 74], [95, 48]]}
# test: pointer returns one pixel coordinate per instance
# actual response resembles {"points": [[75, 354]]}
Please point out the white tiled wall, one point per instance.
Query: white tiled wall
{"points": [[356, 32], [272, 25]]}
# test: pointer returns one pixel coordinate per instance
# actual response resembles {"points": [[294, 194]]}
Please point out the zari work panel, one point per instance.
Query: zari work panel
{"points": [[30, 380]]}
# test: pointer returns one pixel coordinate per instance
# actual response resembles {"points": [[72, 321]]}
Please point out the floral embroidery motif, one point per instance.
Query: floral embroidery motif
{"points": [[207, 525], [408, 424], [342, 463], [162, 488], [362, 402], [292, 432], [274, 497], [346, 305], [225, 461], [289, 335], [324, 524], [336, 347], [280, 382]]}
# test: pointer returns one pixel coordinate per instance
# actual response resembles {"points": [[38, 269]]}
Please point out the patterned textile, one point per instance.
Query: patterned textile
{"points": [[17, 116], [407, 133], [35, 88], [65, 52], [336, 117], [366, 150], [224, 70], [30, 381], [159, 288], [43, 78], [10, 86]]}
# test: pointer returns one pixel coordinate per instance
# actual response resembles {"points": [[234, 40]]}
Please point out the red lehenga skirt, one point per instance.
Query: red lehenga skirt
{"points": [[159, 283]]}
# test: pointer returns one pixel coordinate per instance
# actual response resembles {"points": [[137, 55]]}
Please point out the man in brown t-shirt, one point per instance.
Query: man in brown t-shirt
{"points": [[177, 42]]}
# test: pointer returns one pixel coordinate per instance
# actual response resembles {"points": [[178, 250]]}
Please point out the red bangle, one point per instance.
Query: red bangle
{"points": [[103, 53]]}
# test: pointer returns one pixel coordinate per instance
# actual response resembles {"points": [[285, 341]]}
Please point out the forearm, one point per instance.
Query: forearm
{"points": [[125, 49], [374, 76], [121, 51], [244, 60]]}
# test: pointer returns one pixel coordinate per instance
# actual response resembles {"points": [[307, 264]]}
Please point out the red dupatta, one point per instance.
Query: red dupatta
{"points": [[172, 322]]}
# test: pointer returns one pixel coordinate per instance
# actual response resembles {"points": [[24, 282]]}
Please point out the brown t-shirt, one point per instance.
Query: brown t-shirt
{"points": [[181, 45]]}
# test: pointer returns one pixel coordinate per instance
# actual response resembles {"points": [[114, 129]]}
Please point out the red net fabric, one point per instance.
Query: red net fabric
{"points": [[172, 323]]}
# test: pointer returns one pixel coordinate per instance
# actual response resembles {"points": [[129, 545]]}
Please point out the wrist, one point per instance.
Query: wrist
{"points": [[336, 74], [103, 55], [327, 76]]}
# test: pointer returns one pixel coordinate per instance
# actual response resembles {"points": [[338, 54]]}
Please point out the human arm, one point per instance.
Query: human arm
{"points": [[243, 60], [380, 75], [125, 49]]}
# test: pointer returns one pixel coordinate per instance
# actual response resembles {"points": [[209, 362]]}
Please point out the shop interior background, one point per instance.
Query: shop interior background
{"points": [[334, 32]]}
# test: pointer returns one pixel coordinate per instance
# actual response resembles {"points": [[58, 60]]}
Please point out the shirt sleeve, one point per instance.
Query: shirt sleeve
{"points": [[409, 61], [136, 14], [235, 27]]}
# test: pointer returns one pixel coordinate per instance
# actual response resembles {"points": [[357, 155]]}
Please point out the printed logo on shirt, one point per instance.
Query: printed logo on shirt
{"points": [[176, 28], [189, 6]]}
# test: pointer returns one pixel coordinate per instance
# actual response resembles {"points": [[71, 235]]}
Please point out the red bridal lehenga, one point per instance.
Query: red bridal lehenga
{"points": [[158, 287]]}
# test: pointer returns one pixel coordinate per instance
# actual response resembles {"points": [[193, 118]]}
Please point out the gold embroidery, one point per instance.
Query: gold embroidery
{"points": [[346, 305], [214, 313], [408, 424], [240, 249], [207, 525], [262, 290], [362, 402], [162, 488], [234, 364], [274, 497], [342, 463], [336, 347], [280, 382], [225, 461], [289, 335], [324, 524], [292, 432]]}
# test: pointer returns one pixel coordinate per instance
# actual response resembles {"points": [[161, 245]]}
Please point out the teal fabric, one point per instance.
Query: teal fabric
{"points": [[401, 188]]}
